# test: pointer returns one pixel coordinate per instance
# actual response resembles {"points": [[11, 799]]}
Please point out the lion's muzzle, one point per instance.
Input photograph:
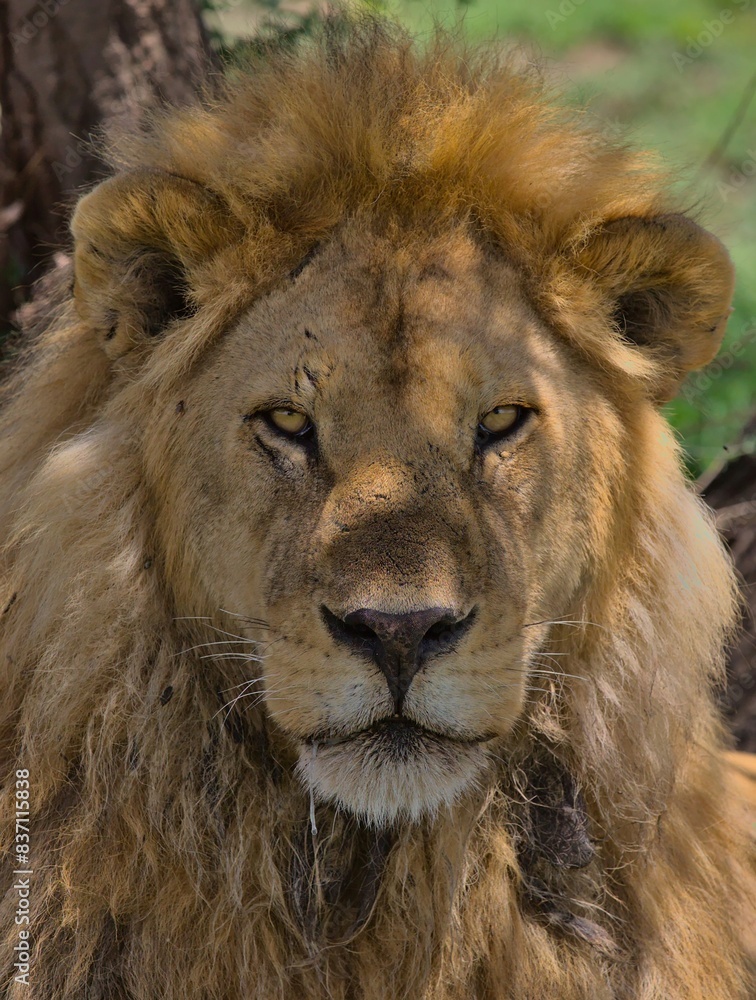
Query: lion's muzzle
{"points": [[400, 644]]}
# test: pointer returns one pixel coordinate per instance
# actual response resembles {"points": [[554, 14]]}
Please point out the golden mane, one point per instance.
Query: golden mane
{"points": [[172, 852]]}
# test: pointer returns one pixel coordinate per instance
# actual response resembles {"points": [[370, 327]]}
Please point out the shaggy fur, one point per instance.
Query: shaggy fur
{"points": [[176, 849]]}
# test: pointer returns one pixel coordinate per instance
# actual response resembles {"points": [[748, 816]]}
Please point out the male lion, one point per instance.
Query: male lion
{"points": [[360, 624]]}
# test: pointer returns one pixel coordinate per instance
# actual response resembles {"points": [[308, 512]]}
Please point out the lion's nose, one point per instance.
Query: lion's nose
{"points": [[399, 644]]}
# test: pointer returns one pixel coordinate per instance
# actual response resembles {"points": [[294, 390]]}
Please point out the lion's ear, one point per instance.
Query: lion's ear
{"points": [[667, 284], [142, 241]]}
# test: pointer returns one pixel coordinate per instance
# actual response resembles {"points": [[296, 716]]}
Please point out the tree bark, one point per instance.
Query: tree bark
{"points": [[68, 68]]}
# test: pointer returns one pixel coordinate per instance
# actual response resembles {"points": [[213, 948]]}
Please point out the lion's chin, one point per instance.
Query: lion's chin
{"points": [[392, 772]]}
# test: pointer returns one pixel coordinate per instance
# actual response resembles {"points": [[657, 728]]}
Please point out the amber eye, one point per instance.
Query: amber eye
{"points": [[501, 418], [499, 422], [293, 423]]}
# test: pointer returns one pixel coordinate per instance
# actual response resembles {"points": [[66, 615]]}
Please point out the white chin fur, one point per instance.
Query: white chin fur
{"points": [[382, 784]]}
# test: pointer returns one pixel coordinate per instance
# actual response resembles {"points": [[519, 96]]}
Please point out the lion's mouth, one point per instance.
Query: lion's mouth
{"points": [[393, 770], [397, 736]]}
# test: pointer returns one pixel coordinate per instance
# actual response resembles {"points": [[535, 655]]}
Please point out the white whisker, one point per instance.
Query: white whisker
{"points": [[253, 622], [564, 621], [246, 657], [220, 642], [251, 680]]}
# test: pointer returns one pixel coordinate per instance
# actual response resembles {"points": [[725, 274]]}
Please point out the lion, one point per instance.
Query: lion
{"points": [[360, 624]]}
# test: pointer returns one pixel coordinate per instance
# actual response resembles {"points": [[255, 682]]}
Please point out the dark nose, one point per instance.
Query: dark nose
{"points": [[399, 644]]}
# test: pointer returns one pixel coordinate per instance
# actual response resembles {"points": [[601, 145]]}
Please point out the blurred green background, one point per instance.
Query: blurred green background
{"points": [[677, 78]]}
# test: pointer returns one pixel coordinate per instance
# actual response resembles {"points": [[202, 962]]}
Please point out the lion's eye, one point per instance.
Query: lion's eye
{"points": [[499, 422], [501, 418], [293, 423]]}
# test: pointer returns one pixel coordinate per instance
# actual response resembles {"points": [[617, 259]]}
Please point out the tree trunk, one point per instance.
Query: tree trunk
{"points": [[68, 68]]}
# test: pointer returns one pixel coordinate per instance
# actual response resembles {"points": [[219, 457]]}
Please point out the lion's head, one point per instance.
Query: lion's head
{"points": [[355, 425], [401, 467], [400, 460]]}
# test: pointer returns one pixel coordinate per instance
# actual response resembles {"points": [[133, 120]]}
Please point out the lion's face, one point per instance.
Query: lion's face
{"points": [[395, 464]]}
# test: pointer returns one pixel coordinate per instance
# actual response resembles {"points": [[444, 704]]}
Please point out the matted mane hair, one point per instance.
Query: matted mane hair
{"points": [[172, 852]]}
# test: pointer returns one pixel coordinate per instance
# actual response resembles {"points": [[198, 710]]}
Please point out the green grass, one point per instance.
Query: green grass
{"points": [[671, 76]]}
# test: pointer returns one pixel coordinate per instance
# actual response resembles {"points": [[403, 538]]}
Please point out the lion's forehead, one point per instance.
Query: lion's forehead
{"points": [[438, 335]]}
